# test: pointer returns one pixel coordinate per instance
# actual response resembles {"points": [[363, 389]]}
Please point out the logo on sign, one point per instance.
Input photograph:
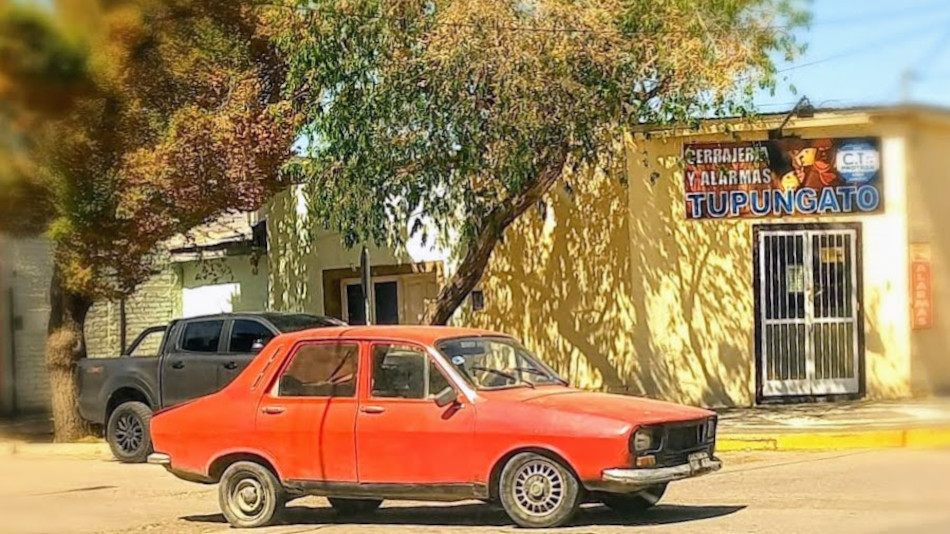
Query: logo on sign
{"points": [[857, 163]]}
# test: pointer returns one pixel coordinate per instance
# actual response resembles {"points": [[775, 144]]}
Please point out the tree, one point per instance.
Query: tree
{"points": [[464, 113], [123, 123]]}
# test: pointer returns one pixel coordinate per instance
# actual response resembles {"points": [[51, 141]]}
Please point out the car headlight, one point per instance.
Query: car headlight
{"points": [[644, 440]]}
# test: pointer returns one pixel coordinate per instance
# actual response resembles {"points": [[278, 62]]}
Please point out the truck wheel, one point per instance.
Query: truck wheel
{"points": [[538, 492], [354, 507], [634, 502], [250, 495], [128, 432]]}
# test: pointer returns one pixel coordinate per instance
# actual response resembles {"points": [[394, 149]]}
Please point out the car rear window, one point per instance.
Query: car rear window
{"points": [[301, 321]]}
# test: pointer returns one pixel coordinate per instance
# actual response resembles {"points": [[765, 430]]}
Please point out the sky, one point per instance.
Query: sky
{"points": [[858, 51]]}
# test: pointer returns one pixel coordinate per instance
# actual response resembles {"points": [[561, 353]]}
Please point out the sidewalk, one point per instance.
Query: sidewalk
{"points": [[839, 425]]}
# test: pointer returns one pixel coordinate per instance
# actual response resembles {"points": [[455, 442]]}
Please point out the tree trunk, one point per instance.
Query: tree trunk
{"points": [[65, 345], [472, 265]]}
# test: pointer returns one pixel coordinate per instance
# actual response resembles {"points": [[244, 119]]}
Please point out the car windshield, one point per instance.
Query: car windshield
{"points": [[496, 362], [300, 321]]}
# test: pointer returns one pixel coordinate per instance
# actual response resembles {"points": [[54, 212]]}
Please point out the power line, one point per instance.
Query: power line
{"points": [[885, 41]]}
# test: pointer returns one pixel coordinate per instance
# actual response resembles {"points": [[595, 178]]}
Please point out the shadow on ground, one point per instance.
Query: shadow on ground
{"points": [[485, 515]]}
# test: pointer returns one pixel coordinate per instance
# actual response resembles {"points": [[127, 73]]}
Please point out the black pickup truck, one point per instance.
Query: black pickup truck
{"points": [[166, 365]]}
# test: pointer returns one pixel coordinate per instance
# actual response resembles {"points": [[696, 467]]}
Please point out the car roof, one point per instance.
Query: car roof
{"points": [[410, 333], [258, 314]]}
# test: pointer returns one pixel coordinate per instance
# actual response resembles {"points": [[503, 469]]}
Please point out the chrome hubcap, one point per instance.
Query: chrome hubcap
{"points": [[539, 488], [247, 497], [129, 433]]}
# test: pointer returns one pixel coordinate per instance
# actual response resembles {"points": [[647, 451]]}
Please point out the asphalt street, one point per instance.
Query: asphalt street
{"points": [[895, 491]]}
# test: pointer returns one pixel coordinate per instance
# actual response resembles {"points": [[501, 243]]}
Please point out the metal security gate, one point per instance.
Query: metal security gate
{"points": [[808, 335]]}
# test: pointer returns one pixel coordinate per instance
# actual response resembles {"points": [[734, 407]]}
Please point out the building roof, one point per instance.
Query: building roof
{"points": [[820, 116], [231, 229]]}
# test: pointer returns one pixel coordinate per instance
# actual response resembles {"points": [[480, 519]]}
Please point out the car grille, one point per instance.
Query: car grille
{"points": [[679, 440]]}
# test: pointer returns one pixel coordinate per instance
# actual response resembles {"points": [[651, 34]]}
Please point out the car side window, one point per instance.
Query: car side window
{"points": [[202, 336], [245, 332], [321, 370], [404, 372]]}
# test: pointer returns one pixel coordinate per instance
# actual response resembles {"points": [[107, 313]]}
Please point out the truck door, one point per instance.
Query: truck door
{"points": [[243, 336], [190, 367]]}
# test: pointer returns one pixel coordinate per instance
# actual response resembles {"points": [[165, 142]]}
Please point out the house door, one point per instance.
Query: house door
{"points": [[808, 335]]}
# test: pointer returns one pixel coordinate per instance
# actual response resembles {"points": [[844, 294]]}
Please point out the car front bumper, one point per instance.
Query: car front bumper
{"points": [[630, 479]]}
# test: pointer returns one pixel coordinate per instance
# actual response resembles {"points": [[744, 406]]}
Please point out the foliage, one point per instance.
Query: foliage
{"points": [[126, 122], [463, 112]]}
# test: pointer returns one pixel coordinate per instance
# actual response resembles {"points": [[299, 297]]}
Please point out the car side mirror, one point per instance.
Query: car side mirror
{"points": [[446, 396], [257, 346]]}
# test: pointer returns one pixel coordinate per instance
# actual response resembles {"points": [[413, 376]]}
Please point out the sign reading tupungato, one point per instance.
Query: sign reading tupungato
{"points": [[782, 178]]}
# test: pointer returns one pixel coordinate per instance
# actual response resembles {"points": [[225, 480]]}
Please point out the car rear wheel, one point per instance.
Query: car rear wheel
{"points": [[128, 432], [250, 495], [634, 502], [353, 507], [538, 492]]}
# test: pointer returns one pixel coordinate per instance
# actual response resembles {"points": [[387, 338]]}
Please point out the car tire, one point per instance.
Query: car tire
{"points": [[629, 503], [539, 492], [127, 432], [354, 507], [250, 495]]}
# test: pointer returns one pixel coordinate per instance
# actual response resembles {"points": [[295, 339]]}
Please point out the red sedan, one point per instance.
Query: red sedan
{"points": [[362, 414]]}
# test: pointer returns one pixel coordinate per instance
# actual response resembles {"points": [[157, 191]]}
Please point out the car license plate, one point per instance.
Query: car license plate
{"points": [[698, 460]]}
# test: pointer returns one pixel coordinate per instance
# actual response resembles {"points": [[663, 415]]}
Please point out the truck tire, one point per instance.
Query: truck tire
{"points": [[250, 495], [539, 492], [127, 432]]}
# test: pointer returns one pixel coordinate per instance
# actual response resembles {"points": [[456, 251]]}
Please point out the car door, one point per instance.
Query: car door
{"points": [[243, 336], [190, 368], [307, 417], [402, 436]]}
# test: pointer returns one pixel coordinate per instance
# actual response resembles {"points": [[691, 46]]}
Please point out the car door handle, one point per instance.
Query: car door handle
{"points": [[230, 365], [372, 409], [178, 364], [272, 410]]}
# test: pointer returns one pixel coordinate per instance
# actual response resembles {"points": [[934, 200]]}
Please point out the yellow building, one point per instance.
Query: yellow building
{"points": [[619, 287]]}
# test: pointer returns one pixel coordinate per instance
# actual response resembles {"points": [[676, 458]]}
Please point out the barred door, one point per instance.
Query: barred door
{"points": [[808, 305]]}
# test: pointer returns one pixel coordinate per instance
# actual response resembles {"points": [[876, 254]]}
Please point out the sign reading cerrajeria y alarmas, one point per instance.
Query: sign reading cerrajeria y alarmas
{"points": [[783, 178]]}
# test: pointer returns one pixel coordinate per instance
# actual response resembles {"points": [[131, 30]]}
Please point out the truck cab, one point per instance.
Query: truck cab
{"points": [[172, 364]]}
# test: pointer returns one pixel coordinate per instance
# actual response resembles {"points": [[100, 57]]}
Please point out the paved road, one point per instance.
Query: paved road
{"points": [[897, 491]]}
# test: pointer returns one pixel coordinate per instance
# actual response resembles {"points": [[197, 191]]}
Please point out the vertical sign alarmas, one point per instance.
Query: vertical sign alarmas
{"points": [[921, 286], [782, 178]]}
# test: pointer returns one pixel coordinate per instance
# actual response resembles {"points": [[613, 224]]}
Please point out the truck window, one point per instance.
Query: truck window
{"points": [[149, 344], [202, 336], [321, 370], [245, 332]]}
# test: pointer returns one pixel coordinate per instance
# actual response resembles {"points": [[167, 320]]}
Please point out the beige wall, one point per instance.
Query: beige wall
{"points": [[300, 250], [228, 284], [618, 291], [928, 194]]}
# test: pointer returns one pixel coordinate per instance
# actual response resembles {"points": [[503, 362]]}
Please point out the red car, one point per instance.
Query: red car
{"points": [[362, 414]]}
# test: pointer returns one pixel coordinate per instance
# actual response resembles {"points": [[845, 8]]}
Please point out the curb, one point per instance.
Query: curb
{"points": [[918, 438], [96, 450]]}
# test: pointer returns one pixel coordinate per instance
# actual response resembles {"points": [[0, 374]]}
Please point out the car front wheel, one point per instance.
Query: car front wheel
{"points": [[127, 432], [250, 495], [635, 502], [353, 507], [538, 492]]}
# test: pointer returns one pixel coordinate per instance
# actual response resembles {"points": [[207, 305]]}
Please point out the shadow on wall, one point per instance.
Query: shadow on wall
{"points": [[290, 246], [613, 288]]}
